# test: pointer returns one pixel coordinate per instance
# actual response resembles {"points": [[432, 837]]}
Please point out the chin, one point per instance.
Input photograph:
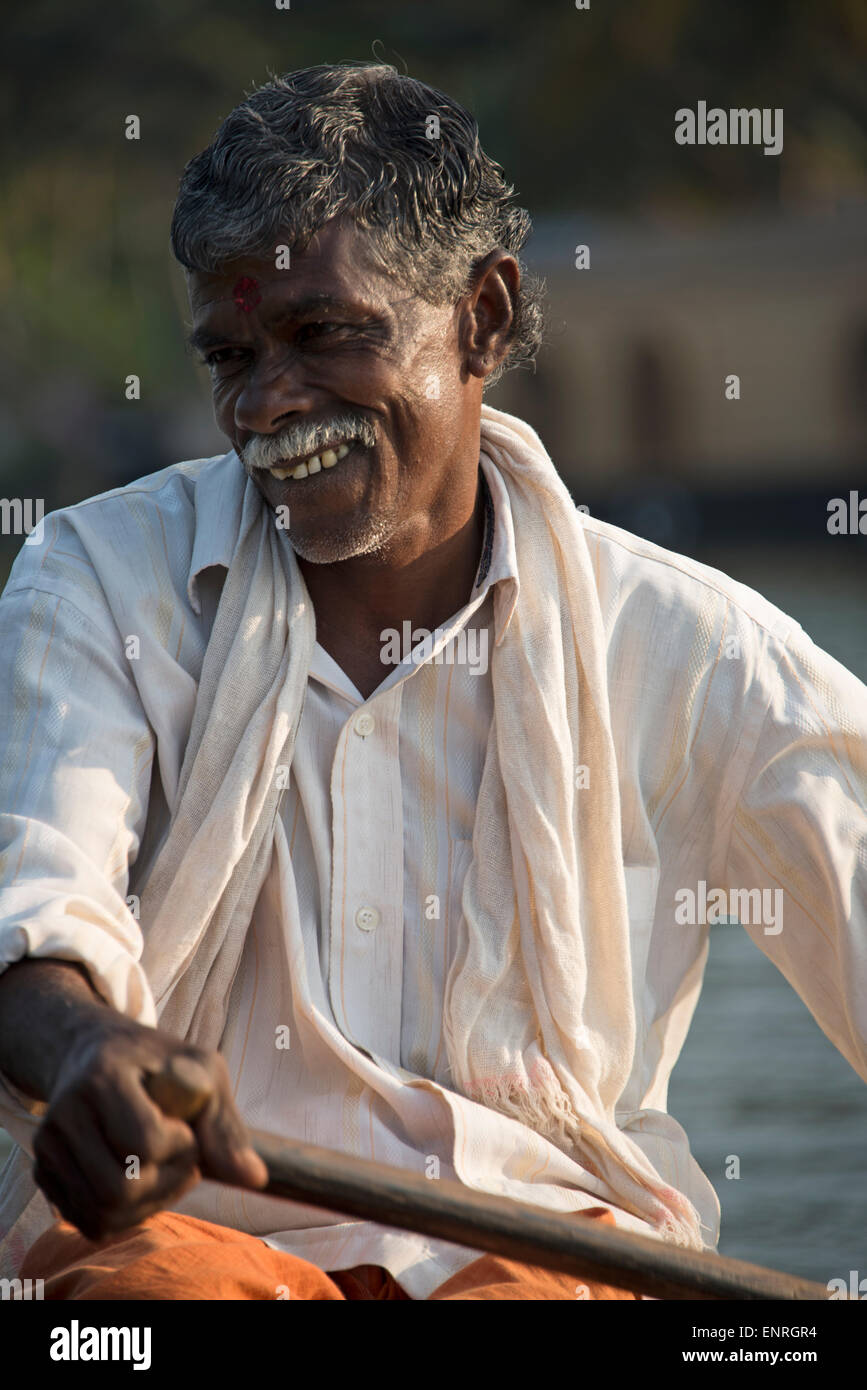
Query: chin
{"points": [[330, 548]]}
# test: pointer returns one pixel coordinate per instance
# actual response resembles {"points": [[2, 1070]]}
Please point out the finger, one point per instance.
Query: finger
{"points": [[173, 1186], [132, 1124], [160, 1188], [108, 1190], [171, 1182], [59, 1173], [126, 1182], [224, 1145], [101, 1196]]}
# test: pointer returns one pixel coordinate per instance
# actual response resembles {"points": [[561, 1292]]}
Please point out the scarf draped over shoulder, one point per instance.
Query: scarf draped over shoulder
{"points": [[539, 1019]]}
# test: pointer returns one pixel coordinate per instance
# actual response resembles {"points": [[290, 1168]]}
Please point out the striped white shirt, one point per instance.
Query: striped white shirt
{"points": [[741, 749]]}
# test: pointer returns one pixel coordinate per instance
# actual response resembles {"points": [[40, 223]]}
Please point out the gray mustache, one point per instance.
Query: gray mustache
{"points": [[265, 450]]}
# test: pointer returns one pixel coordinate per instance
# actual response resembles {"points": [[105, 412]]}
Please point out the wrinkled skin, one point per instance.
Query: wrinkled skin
{"points": [[395, 532]]}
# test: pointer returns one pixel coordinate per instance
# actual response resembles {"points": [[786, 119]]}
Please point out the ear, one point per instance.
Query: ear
{"points": [[489, 312]]}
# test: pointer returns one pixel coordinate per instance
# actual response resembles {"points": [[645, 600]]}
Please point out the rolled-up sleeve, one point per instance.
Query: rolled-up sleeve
{"points": [[800, 835], [76, 752]]}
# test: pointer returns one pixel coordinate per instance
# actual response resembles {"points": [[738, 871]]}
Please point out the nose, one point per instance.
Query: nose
{"points": [[272, 394]]}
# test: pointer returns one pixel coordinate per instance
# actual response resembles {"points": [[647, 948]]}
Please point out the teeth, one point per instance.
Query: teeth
{"points": [[327, 459]]}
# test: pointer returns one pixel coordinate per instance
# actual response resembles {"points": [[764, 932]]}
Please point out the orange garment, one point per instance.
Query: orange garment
{"points": [[172, 1256]]}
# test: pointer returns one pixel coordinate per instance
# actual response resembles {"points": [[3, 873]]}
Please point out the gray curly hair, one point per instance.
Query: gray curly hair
{"points": [[359, 139]]}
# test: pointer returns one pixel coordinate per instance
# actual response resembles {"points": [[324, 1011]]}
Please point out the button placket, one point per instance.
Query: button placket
{"points": [[366, 960]]}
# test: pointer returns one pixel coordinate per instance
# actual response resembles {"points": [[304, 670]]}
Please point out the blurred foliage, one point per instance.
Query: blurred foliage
{"points": [[577, 105]]}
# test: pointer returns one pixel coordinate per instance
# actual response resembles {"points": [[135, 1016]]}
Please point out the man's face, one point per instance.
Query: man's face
{"points": [[333, 352]]}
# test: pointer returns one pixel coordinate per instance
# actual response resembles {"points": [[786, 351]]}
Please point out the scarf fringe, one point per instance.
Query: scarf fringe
{"points": [[546, 1109]]}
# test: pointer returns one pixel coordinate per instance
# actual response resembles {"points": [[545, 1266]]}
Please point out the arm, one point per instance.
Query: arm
{"points": [[60, 1043], [57, 994], [800, 835], [76, 1039]]}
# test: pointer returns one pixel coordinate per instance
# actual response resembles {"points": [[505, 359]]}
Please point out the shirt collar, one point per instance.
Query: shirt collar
{"points": [[219, 500], [498, 567]]}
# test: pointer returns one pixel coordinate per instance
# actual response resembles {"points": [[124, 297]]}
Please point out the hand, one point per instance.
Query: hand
{"points": [[108, 1156]]}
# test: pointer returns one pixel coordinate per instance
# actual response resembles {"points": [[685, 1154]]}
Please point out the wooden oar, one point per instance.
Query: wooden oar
{"points": [[450, 1211]]}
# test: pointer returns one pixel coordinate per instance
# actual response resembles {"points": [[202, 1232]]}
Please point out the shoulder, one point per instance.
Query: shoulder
{"points": [[167, 496], [139, 536], [638, 580]]}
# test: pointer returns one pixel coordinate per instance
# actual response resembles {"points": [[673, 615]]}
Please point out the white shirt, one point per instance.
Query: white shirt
{"points": [[741, 750]]}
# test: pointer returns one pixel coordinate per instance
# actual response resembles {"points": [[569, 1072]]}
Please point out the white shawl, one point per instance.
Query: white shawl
{"points": [[539, 1019]]}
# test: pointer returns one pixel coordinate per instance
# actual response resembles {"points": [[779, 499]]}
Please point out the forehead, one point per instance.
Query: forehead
{"points": [[337, 262]]}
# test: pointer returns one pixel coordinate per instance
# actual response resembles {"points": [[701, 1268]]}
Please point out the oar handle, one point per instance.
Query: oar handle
{"points": [[182, 1089], [449, 1211]]}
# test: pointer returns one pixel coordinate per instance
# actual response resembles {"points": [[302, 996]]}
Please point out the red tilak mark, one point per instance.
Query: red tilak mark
{"points": [[246, 293]]}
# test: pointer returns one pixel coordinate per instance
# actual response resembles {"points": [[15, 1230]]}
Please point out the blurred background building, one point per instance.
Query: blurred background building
{"points": [[631, 390], [704, 262]]}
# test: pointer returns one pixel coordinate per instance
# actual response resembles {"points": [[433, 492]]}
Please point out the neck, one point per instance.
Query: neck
{"points": [[356, 600]]}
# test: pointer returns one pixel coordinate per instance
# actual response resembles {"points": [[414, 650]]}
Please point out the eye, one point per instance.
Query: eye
{"points": [[221, 355], [320, 329]]}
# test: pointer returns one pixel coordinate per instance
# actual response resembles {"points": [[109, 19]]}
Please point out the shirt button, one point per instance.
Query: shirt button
{"points": [[367, 918], [364, 725]]}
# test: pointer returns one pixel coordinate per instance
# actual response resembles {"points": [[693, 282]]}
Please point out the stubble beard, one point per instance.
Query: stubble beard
{"points": [[364, 535], [323, 547]]}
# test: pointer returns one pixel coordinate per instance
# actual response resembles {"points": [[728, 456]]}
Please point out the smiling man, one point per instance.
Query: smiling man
{"points": [[408, 907], [360, 418]]}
